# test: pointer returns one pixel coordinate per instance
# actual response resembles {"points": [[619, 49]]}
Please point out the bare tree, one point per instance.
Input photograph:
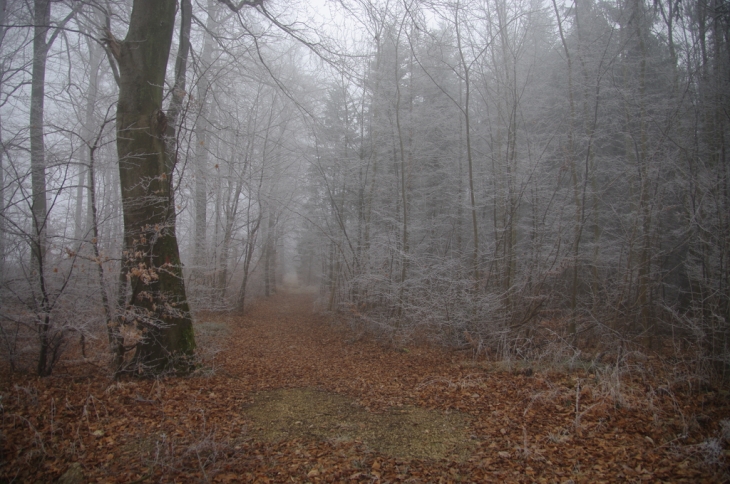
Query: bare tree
{"points": [[158, 303]]}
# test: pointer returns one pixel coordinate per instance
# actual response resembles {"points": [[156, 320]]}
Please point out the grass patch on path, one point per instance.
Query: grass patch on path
{"points": [[403, 432]]}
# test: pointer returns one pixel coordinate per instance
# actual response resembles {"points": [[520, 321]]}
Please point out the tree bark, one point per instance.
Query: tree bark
{"points": [[248, 256], [2, 172], [81, 229], [116, 340], [269, 269], [158, 304], [49, 343], [202, 126], [41, 17], [470, 162]]}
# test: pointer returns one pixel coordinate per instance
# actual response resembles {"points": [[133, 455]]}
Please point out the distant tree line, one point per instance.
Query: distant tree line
{"points": [[500, 175]]}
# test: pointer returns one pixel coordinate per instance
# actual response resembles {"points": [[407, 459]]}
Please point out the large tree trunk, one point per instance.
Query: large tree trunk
{"points": [[158, 302], [2, 173], [41, 18], [49, 340]]}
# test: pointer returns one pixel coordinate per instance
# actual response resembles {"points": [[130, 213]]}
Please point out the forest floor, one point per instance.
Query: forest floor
{"points": [[289, 395]]}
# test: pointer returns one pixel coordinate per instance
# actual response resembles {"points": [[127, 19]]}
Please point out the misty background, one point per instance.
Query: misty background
{"points": [[526, 178]]}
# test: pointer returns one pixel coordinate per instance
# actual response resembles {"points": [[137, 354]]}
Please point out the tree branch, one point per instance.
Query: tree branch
{"points": [[243, 3]]}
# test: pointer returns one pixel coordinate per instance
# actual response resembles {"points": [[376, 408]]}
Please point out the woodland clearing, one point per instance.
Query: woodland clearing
{"points": [[286, 394]]}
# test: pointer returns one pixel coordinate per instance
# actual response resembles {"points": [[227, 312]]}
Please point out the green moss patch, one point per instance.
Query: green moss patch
{"points": [[402, 432]]}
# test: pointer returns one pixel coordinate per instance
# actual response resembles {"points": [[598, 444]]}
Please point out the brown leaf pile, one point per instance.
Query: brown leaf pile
{"points": [[545, 427]]}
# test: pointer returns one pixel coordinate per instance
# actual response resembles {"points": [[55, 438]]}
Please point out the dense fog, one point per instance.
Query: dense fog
{"points": [[527, 178]]}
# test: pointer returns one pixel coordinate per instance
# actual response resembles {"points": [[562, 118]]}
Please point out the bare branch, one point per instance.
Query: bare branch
{"points": [[243, 3]]}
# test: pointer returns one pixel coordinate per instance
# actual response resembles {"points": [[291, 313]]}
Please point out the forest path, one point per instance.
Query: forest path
{"points": [[283, 341], [287, 394], [331, 387], [303, 370]]}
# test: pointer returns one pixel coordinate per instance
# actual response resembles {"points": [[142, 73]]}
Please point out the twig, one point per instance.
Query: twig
{"points": [[576, 424], [144, 400]]}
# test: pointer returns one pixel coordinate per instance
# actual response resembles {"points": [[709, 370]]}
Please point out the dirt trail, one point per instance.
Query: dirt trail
{"points": [[521, 428], [283, 342], [286, 344], [293, 396]]}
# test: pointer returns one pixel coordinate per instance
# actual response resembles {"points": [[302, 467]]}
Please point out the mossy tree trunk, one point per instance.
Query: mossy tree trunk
{"points": [[158, 305]]}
